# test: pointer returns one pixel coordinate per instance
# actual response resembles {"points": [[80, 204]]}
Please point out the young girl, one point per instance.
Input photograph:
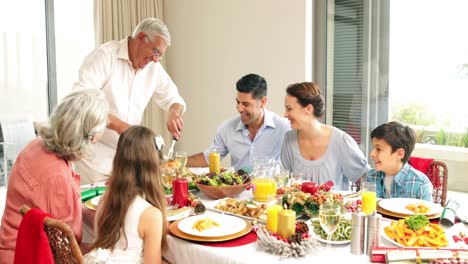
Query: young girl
{"points": [[131, 221]]}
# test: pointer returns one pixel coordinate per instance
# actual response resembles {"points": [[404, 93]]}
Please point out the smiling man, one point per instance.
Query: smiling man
{"points": [[129, 74], [255, 133]]}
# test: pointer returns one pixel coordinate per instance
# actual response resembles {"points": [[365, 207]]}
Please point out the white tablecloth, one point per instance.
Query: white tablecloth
{"points": [[182, 251]]}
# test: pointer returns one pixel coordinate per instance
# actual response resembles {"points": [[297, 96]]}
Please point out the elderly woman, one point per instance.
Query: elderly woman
{"points": [[320, 151], [43, 174]]}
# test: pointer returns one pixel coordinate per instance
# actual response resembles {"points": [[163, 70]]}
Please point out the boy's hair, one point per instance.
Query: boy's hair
{"points": [[397, 136]]}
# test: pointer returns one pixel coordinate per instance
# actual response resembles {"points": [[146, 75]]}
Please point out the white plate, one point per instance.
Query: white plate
{"points": [[319, 238], [95, 201], [397, 205], [228, 225]]}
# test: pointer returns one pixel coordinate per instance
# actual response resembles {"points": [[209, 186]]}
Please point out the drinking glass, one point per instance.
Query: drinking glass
{"points": [[296, 179], [181, 157], [369, 198], [168, 175], [330, 216], [281, 178]]}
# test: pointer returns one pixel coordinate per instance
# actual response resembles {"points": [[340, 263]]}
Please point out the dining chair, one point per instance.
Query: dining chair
{"points": [[17, 133], [437, 172], [62, 241]]}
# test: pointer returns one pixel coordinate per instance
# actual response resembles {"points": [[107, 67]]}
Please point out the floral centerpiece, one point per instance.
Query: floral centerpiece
{"points": [[297, 245], [307, 202]]}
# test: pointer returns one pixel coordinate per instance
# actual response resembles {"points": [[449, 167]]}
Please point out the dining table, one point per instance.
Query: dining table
{"points": [[245, 249]]}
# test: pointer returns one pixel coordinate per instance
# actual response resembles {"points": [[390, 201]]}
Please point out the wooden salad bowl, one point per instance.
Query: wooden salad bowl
{"points": [[218, 192]]}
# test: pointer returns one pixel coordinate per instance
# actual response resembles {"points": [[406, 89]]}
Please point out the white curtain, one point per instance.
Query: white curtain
{"points": [[116, 19], [23, 63]]}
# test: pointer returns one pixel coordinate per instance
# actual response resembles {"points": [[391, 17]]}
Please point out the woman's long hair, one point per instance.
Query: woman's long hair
{"points": [[135, 172]]}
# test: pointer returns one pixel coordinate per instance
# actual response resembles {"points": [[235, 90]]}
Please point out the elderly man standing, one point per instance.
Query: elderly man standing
{"points": [[129, 73], [255, 133]]}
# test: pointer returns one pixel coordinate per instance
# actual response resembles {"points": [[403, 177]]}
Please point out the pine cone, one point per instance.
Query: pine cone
{"points": [[302, 227]]}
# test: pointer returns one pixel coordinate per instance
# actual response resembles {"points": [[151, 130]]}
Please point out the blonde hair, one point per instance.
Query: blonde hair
{"points": [[74, 122]]}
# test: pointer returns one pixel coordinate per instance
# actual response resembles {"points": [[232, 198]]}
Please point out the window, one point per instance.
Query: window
{"points": [[357, 66], [429, 70], [23, 67]]}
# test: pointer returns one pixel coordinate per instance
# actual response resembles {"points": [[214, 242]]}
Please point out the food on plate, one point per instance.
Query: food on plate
{"points": [[418, 208], [353, 205], [243, 207], [225, 178], [204, 224], [416, 231], [342, 233], [308, 204]]}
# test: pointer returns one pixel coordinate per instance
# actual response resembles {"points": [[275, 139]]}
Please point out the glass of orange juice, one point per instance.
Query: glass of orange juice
{"points": [[369, 198]]}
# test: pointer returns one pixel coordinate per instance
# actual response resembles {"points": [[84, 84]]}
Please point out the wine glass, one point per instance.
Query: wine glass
{"points": [[330, 216], [181, 157], [168, 175], [281, 178]]}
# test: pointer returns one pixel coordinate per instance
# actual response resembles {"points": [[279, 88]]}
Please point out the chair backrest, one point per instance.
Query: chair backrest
{"points": [[437, 172], [17, 133], [62, 241]]}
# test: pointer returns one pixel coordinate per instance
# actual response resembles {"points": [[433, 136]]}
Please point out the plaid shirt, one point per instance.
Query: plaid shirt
{"points": [[408, 183]]}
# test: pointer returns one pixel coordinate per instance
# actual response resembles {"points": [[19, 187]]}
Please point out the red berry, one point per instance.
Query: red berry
{"points": [[456, 238], [466, 240]]}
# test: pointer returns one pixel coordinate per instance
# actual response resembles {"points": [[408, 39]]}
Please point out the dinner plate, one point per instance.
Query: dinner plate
{"points": [[397, 205], [95, 200], [388, 239], [174, 230], [89, 205], [227, 225], [320, 239]]}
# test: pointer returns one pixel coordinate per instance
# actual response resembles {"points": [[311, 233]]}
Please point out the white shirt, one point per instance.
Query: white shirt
{"points": [[128, 91]]}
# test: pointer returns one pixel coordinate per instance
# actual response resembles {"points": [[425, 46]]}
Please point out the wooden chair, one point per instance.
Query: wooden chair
{"points": [[62, 241], [437, 172]]}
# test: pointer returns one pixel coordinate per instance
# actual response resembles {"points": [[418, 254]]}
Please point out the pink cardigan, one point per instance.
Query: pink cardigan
{"points": [[39, 178]]}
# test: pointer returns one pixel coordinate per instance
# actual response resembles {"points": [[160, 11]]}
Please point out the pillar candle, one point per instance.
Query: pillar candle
{"points": [[272, 217], [286, 223]]}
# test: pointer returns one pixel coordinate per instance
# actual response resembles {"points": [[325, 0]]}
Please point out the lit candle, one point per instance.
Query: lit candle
{"points": [[272, 217], [286, 223]]}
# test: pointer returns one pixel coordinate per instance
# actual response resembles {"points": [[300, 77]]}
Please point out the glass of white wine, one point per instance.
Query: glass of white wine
{"points": [[330, 216], [181, 157], [281, 178], [168, 175]]}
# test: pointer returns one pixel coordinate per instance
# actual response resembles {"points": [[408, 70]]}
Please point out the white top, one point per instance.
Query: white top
{"points": [[388, 184], [342, 161], [129, 251], [128, 91]]}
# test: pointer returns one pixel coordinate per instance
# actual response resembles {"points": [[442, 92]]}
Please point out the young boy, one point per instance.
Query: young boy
{"points": [[394, 177]]}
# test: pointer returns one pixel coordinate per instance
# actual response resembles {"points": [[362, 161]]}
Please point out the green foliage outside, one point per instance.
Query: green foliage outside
{"points": [[420, 118]]}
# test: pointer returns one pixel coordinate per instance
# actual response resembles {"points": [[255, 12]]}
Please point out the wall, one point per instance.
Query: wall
{"points": [[214, 43], [455, 158]]}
